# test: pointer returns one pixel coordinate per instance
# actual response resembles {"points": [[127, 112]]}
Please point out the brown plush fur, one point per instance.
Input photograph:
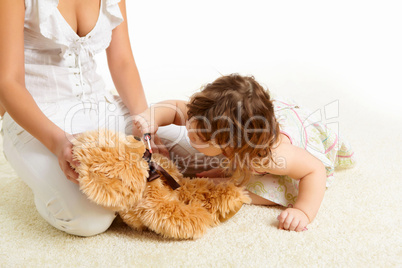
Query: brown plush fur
{"points": [[113, 174], [107, 169]]}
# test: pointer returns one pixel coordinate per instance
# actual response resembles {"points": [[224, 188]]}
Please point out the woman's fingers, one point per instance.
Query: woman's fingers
{"points": [[75, 163], [73, 177], [68, 156], [69, 172], [66, 161]]}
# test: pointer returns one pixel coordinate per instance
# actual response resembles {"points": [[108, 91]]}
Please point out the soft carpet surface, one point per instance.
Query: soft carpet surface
{"points": [[316, 52], [358, 224]]}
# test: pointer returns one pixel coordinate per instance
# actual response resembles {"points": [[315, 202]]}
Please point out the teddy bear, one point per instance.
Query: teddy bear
{"points": [[147, 190]]}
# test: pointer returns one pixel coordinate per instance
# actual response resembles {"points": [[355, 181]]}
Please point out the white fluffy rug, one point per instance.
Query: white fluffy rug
{"points": [[316, 52], [358, 224]]}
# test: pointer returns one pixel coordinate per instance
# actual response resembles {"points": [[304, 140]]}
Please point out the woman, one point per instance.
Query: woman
{"points": [[50, 90]]}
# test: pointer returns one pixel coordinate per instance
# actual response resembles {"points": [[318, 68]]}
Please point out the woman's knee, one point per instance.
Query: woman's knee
{"points": [[76, 221], [90, 225]]}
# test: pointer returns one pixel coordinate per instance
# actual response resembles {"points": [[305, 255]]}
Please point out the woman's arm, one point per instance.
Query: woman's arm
{"points": [[125, 75], [2, 111], [123, 68], [14, 97], [300, 165], [128, 83]]}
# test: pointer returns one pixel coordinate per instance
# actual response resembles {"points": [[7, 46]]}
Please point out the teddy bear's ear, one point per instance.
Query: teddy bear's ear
{"points": [[135, 145]]}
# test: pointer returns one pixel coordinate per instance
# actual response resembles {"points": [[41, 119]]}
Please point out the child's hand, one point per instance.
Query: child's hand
{"points": [[143, 123], [293, 219]]}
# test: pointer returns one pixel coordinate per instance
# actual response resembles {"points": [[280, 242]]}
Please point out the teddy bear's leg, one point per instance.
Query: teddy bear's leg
{"points": [[230, 199], [222, 200], [132, 220], [162, 212]]}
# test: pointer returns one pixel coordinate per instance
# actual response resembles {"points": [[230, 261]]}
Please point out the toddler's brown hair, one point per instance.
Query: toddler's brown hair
{"points": [[236, 113]]}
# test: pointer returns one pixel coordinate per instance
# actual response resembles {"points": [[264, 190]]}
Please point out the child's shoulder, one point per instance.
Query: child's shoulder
{"points": [[278, 164]]}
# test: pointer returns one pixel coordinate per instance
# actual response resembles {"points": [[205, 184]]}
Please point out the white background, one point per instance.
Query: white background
{"points": [[334, 49]]}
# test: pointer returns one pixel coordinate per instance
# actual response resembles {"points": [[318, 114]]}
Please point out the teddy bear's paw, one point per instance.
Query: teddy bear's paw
{"points": [[226, 200], [222, 200], [174, 219], [195, 190]]}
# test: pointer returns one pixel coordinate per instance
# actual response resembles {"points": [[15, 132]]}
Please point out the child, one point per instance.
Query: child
{"points": [[282, 154]]}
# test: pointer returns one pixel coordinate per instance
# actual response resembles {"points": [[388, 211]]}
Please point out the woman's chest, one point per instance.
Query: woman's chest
{"points": [[80, 15]]}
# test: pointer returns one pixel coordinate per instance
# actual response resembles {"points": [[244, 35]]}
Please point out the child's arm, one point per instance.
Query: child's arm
{"points": [[162, 114], [300, 165]]}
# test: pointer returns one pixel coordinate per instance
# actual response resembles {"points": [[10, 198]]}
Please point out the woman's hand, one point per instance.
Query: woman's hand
{"points": [[293, 219], [64, 153]]}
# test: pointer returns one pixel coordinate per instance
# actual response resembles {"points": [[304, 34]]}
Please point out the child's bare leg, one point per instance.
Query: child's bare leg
{"points": [[258, 200]]}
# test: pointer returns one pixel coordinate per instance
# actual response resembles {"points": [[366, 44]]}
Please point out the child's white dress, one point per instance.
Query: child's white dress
{"points": [[305, 130]]}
